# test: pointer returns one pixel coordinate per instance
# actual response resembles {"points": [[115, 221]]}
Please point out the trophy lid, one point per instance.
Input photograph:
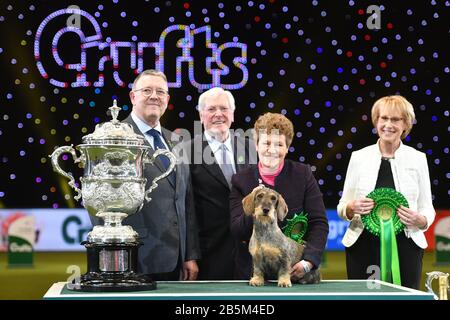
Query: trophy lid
{"points": [[114, 132]]}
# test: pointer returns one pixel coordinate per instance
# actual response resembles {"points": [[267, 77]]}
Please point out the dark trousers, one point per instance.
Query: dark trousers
{"points": [[365, 252], [217, 264]]}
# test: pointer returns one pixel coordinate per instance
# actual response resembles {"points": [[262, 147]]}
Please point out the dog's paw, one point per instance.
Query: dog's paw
{"points": [[284, 282], [256, 281]]}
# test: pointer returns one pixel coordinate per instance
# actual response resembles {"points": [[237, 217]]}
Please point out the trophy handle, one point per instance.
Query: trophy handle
{"points": [[55, 157], [152, 159], [443, 284]]}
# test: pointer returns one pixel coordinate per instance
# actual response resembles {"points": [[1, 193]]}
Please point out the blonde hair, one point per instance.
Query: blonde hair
{"points": [[397, 103], [274, 121]]}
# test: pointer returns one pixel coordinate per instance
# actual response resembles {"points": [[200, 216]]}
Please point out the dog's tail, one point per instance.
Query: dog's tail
{"points": [[312, 277]]}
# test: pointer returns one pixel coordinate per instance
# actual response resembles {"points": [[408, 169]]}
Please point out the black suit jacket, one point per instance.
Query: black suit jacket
{"points": [[301, 192], [211, 198]]}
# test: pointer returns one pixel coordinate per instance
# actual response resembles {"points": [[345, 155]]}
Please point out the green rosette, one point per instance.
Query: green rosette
{"points": [[384, 222], [387, 200], [296, 227]]}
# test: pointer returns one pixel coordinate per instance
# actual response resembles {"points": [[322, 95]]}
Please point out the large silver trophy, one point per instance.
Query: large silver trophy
{"points": [[112, 188]]}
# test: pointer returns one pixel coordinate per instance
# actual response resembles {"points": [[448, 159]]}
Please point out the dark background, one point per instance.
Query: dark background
{"points": [[317, 62]]}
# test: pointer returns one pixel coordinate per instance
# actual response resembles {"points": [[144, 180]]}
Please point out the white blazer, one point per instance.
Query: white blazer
{"points": [[411, 178]]}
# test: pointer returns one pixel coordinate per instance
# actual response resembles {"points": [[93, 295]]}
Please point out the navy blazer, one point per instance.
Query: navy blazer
{"points": [[301, 192]]}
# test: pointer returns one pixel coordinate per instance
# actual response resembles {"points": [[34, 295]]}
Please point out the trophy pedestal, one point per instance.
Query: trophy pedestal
{"points": [[112, 267]]}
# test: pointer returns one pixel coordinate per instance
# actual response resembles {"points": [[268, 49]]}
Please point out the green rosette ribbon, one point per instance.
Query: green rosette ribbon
{"points": [[296, 227], [385, 223]]}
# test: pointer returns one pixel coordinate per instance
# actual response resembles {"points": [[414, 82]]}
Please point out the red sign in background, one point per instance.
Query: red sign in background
{"points": [[429, 234]]}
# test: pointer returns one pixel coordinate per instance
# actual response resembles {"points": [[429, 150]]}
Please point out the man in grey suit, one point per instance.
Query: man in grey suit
{"points": [[166, 225], [216, 155]]}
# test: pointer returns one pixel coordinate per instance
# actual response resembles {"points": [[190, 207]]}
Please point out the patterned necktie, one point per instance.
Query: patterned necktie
{"points": [[225, 165], [158, 144]]}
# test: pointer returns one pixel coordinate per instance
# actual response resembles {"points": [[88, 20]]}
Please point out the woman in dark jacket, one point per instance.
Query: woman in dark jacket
{"points": [[293, 180]]}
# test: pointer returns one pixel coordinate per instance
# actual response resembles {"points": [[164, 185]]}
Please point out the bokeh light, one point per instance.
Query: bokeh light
{"points": [[320, 66]]}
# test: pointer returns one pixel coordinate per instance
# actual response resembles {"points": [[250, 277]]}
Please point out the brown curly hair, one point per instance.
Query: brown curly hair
{"points": [[274, 121]]}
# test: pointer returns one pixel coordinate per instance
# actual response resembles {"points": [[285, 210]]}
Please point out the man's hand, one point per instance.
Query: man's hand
{"points": [[190, 270]]}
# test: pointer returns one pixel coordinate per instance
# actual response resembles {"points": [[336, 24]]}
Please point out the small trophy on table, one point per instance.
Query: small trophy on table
{"points": [[443, 284]]}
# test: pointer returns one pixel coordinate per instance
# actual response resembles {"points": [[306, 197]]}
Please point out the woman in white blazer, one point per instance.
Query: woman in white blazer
{"points": [[388, 163]]}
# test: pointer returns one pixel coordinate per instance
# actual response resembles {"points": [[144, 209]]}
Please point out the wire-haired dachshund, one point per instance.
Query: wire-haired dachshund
{"points": [[273, 253]]}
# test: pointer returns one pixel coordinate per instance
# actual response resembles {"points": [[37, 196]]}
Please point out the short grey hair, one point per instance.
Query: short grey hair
{"points": [[216, 91], [149, 72]]}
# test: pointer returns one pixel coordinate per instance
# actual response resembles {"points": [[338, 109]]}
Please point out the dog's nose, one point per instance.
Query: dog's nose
{"points": [[266, 211]]}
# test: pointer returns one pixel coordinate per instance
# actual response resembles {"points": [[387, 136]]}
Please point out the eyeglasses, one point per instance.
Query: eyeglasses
{"points": [[394, 120], [147, 92]]}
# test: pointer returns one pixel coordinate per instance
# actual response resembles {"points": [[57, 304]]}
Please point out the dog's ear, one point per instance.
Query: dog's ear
{"points": [[282, 208], [248, 203]]}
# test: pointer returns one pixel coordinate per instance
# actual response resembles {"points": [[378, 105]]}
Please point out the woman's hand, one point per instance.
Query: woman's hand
{"points": [[297, 271], [359, 206], [411, 218]]}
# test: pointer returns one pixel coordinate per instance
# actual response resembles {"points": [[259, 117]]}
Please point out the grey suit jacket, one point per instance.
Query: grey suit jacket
{"points": [[166, 225]]}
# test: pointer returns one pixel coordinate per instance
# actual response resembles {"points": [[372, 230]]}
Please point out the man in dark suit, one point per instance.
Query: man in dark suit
{"points": [[215, 156], [166, 224]]}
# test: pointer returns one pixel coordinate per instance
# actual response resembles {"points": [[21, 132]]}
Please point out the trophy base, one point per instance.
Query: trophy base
{"points": [[113, 283], [112, 267]]}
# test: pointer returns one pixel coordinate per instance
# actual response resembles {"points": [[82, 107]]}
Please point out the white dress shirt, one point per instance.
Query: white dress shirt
{"points": [[144, 127], [215, 146], [411, 178]]}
